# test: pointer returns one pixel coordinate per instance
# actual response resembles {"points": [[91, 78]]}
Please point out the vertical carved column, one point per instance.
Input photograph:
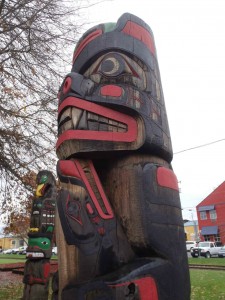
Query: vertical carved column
{"points": [[119, 207], [39, 250]]}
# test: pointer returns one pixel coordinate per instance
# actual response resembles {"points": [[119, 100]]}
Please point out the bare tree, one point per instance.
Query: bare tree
{"points": [[34, 38]]}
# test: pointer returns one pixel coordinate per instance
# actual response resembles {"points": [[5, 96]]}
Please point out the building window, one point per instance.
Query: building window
{"points": [[217, 238], [203, 215], [21, 243], [13, 242], [213, 215], [207, 238]]}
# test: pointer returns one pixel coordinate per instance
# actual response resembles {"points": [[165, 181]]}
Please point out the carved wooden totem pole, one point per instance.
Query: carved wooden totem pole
{"points": [[120, 231], [40, 236]]}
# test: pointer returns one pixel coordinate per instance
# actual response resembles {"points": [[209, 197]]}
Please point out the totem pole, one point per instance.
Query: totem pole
{"points": [[40, 236], [119, 226]]}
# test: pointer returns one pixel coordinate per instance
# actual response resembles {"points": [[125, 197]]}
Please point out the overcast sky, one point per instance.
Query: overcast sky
{"points": [[190, 43]]}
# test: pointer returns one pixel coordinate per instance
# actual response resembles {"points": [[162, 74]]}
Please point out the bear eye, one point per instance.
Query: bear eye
{"points": [[118, 69], [113, 65]]}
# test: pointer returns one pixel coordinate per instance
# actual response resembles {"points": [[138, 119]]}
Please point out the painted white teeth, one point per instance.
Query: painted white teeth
{"points": [[65, 114], [113, 125], [103, 120], [92, 117], [65, 120], [76, 115], [67, 125], [71, 118], [116, 126], [123, 126]]}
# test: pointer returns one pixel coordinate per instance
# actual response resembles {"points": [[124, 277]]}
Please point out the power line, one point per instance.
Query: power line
{"points": [[200, 146]]}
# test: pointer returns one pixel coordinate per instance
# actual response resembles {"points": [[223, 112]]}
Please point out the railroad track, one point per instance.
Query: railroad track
{"points": [[207, 267]]}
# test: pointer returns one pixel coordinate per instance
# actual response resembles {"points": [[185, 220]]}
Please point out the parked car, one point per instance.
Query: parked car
{"points": [[221, 252], [7, 251], [15, 251], [54, 251], [22, 250], [190, 245], [206, 249]]}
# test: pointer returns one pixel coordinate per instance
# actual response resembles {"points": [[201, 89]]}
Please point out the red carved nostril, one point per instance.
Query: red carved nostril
{"points": [[67, 85], [111, 90]]}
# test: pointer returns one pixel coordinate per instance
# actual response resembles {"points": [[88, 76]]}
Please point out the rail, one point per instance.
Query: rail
{"points": [[207, 267]]}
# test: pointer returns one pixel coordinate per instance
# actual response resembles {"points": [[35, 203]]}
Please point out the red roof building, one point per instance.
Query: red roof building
{"points": [[211, 216]]}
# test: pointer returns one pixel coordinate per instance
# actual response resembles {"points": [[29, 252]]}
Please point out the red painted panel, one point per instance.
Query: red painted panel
{"points": [[109, 213], [141, 34], [129, 136], [111, 90], [167, 178], [146, 287], [68, 168], [89, 208], [96, 136], [86, 41], [74, 169], [46, 268]]}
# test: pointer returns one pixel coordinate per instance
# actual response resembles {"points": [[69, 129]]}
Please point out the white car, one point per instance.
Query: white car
{"points": [[221, 252], [15, 250], [206, 249], [190, 245], [8, 251], [22, 250]]}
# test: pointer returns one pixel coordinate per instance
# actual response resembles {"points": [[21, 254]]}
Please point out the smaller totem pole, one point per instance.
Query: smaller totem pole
{"points": [[39, 250]]}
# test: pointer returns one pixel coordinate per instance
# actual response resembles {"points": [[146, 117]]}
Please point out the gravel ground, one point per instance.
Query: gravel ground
{"points": [[7, 277]]}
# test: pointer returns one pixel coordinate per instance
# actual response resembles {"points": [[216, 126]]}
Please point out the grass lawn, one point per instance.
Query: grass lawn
{"points": [[207, 284], [14, 292], [11, 291], [11, 258], [14, 258], [10, 261], [207, 261]]}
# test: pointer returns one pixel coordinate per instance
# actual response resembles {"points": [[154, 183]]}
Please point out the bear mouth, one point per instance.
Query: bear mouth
{"points": [[74, 118]]}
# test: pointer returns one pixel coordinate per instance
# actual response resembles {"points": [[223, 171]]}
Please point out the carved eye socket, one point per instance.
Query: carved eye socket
{"points": [[118, 68], [112, 66], [44, 243]]}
